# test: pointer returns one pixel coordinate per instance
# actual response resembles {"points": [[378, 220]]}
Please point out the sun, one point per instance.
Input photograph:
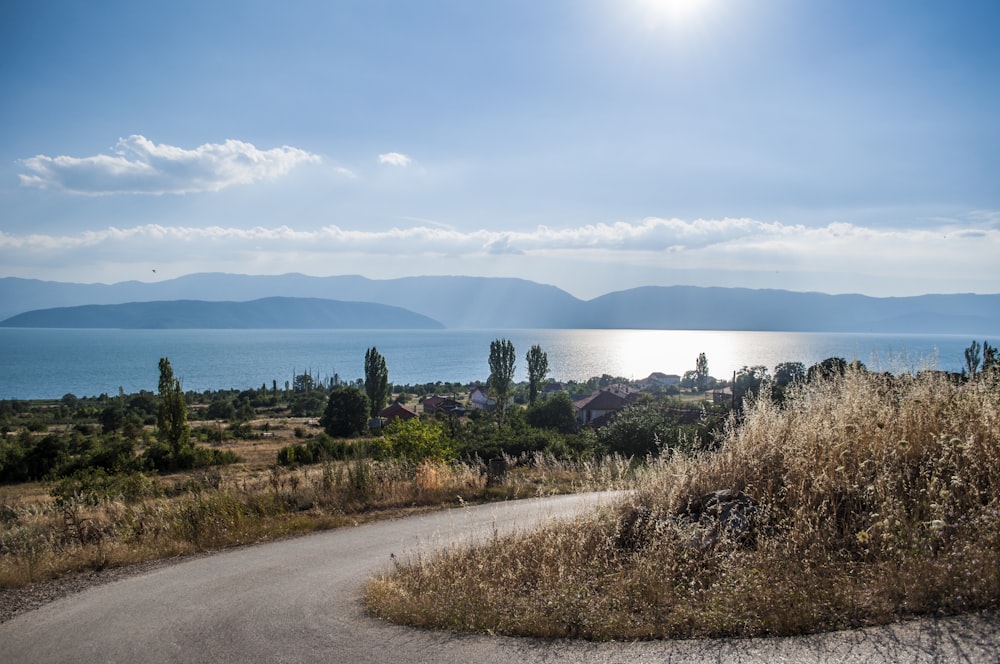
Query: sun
{"points": [[679, 9], [672, 12]]}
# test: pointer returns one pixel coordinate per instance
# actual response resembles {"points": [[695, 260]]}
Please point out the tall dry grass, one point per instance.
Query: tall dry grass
{"points": [[877, 498], [144, 518]]}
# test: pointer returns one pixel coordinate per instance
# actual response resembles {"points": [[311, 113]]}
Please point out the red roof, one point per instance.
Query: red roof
{"points": [[395, 409]]}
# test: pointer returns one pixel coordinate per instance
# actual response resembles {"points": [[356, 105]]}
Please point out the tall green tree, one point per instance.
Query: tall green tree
{"points": [[701, 372], [346, 413], [376, 380], [538, 366], [501, 372], [171, 415]]}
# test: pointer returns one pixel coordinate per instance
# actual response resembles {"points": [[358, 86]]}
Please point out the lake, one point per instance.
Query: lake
{"points": [[48, 363]]}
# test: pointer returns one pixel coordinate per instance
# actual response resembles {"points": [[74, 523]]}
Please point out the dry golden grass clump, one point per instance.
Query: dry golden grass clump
{"points": [[125, 519], [875, 498]]}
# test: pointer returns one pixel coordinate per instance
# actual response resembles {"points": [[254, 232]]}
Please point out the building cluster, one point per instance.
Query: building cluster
{"points": [[592, 410]]}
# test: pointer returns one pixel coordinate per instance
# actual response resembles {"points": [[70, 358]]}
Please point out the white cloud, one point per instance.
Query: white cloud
{"points": [[139, 166], [394, 159], [840, 255]]}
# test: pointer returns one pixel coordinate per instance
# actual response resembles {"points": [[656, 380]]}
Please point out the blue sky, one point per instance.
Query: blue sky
{"points": [[828, 145]]}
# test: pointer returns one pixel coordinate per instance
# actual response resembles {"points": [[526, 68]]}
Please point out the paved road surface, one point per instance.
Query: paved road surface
{"points": [[297, 600]]}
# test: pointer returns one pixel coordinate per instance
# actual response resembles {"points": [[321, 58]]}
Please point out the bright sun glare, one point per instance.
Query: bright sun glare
{"points": [[671, 12]]}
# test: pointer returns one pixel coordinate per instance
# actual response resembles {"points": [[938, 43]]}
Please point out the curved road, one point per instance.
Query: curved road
{"points": [[298, 600]]}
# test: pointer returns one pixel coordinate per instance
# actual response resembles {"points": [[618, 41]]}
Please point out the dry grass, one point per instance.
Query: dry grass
{"points": [[877, 497], [147, 518]]}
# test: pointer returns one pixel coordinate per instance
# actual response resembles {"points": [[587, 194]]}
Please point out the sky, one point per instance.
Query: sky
{"points": [[840, 146]]}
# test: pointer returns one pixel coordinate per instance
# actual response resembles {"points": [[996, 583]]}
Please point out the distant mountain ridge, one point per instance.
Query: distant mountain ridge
{"points": [[265, 313], [504, 303]]}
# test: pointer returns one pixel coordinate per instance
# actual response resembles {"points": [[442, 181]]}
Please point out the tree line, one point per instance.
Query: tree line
{"points": [[172, 430]]}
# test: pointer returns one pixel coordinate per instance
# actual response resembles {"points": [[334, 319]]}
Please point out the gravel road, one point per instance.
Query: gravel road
{"points": [[298, 600]]}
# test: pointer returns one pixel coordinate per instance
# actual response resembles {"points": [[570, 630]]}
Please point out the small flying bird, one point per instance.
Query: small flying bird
{"points": [[154, 270]]}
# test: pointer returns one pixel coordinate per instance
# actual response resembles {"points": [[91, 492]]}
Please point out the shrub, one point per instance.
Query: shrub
{"points": [[554, 412], [416, 440]]}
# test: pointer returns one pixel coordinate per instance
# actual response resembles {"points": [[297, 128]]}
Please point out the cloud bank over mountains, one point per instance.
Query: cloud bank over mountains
{"points": [[264, 231], [699, 246], [137, 165]]}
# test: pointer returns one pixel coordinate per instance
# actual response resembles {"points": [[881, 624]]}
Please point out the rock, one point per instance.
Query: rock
{"points": [[726, 513], [496, 471], [704, 522]]}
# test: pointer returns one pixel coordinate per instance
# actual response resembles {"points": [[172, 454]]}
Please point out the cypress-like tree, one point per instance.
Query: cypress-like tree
{"points": [[171, 416], [502, 358], [538, 366], [376, 380]]}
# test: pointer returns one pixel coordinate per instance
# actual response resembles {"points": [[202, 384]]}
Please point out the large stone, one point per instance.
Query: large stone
{"points": [[724, 514], [704, 522]]}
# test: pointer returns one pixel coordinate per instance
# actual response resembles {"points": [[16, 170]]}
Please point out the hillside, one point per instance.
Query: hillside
{"points": [[494, 303], [265, 313], [692, 308], [457, 302]]}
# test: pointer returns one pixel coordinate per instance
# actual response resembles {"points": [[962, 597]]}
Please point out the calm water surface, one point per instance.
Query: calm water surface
{"points": [[45, 363]]}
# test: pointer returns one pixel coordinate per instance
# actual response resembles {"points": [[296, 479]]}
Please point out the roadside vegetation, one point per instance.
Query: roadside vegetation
{"points": [[93, 482], [855, 498], [857, 484]]}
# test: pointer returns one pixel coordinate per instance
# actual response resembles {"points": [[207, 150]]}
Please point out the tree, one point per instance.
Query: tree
{"points": [[221, 409], [991, 360], [376, 380], [171, 416], [346, 413], [972, 358], [748, 382], [701, 372], [303, 383], [501, 372], [787, 373], [112, 418], [828, 368], [538, 366]]}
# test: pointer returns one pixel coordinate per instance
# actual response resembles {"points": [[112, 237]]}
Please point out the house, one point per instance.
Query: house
{"points": [[434, 405], [595, 409], [658, 379], [722, 395], [480, 399], [396, 411]]}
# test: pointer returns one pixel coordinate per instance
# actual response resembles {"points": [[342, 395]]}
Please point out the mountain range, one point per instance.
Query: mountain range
{"points": [[296, 300]]}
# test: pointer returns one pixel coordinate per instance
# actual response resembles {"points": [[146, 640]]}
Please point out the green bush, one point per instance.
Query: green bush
{"points": [[554, 412], [416, 440], [325, 448]]}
